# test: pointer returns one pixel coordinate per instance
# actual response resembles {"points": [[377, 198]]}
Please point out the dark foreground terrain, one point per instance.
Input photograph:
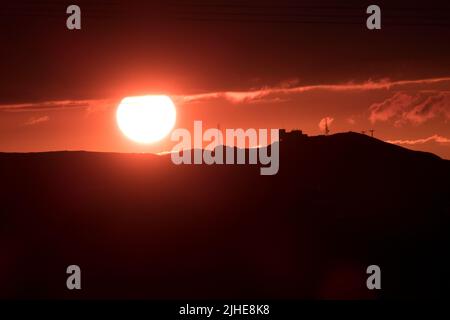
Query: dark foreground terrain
{"points": [[141, 227]]}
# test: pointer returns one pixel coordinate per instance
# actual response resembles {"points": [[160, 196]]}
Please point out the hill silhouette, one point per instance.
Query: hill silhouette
{"points": [[142, 227]]}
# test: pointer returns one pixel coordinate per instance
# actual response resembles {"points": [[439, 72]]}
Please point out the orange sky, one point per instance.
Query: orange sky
{"points": [[265, 64], [414, 114]]}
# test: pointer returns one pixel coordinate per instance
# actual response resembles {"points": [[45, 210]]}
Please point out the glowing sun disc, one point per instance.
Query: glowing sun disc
{"points": [[146, 119]]}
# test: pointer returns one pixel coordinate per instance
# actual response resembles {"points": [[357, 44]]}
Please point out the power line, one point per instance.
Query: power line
{"points": [[299, 21]]}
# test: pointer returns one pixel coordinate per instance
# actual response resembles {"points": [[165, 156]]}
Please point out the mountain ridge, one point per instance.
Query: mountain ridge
{"points": [[142, 227], [336, 138]]}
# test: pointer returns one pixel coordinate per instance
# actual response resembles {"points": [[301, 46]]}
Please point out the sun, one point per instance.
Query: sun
{"points": [[146, 119]]}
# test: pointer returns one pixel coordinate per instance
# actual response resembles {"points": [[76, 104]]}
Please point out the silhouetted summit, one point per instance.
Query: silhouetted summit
{"points": [[142, 227]]}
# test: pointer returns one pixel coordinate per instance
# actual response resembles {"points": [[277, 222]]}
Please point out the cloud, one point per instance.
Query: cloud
{"points": [[290, 87], [267, 94], [405, 108], [325, 121], [55, 105], [351, 121], [36, 120], [429, 108], [435, 138]]}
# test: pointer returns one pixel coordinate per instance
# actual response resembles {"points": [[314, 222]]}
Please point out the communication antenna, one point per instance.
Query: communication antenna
{"points": [[371, 132], [327, 130]]}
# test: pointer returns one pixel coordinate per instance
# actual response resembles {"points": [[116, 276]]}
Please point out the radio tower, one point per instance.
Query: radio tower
{"points": [[327, 130], [371, 132]]}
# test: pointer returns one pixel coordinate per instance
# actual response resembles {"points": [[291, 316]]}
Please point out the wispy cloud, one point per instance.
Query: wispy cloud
{"points": [[351, 120], [289, 88], [36, 120], [274, 94], [90, 105], [327, 121], [405, 108], [434, 138]]}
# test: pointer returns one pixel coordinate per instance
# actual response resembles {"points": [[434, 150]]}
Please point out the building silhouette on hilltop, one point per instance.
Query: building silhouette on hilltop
{"points": [[292, 135]]}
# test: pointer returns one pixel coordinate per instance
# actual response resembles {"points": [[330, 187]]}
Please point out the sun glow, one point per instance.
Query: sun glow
{"points": [[146, 119]]}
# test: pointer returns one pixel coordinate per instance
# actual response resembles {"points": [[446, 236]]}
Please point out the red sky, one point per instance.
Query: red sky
{"points": [[244, 64]]}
